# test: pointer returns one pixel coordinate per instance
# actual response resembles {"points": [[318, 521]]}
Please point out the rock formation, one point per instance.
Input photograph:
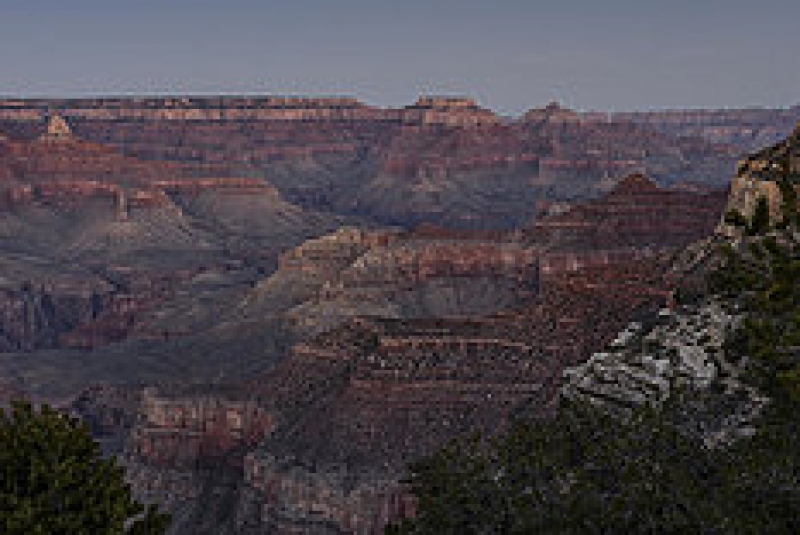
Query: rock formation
{"points": [[638, 214], [352, 406], [57, 130], [757, 176]]}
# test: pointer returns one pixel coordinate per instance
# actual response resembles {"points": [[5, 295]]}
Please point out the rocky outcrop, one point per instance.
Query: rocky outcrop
{"points": [[34, 316], [352, 273], [682, 349], [183, 428], [757, 177], [555, 114], [57, 130]]}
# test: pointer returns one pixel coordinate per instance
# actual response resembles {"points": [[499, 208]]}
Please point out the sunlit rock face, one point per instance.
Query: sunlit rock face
{"points": [[758, 175]]}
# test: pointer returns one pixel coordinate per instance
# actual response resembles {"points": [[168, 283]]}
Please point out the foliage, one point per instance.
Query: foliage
{"points": [[589, 473], [762, 275], [54, 480]]}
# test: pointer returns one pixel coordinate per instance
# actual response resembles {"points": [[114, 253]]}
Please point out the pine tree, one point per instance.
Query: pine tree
{"points": [[54, 480]]}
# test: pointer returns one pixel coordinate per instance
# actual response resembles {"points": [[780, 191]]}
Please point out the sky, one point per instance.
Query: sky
{"points": [[511, 55]]}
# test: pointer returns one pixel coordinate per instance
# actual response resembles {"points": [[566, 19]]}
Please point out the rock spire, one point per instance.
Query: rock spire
{"points": [[57, 129]]}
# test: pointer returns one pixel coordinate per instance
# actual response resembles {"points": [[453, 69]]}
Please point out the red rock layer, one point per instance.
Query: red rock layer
{"points": [[637, 213]]}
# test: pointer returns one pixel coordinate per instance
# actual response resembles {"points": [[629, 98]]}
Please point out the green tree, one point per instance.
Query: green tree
{"points": [[586, 472], [54, 480]]}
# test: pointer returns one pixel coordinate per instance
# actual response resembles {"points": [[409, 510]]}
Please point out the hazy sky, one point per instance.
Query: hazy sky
{"points": [[510, 54]]}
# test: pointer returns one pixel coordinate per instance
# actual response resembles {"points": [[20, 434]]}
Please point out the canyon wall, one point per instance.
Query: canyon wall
{"points": [[441, 160]]}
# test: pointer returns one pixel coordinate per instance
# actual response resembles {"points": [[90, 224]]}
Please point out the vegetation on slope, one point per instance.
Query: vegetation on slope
{"points": [[587, 472]]}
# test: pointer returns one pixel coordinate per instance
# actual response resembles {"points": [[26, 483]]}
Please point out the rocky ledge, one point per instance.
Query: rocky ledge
{"points": [[677, 350]]}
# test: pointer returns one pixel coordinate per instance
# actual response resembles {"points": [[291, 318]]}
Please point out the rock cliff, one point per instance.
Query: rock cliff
{"points": [[350, 407], [757, 176], [637, 213]]}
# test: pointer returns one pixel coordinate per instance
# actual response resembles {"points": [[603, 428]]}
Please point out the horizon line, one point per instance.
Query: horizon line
{"points": [[344, 96]]}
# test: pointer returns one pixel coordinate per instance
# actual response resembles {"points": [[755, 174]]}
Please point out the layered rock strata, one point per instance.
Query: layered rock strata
{"points": [[351, 407], [442, 160]]}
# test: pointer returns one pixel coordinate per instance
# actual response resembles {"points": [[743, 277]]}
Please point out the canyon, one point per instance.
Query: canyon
{"points": [[269, 306]]}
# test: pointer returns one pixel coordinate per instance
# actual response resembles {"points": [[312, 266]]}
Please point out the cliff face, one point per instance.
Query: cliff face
{"points": [[398, 340], [132, 232], [32, 318], [391, 365], [638, 214], [757, 177]]}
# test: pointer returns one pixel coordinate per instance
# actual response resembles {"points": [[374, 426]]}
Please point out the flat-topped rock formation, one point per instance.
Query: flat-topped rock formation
{"points": [[452, 111], [554, 113]]}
